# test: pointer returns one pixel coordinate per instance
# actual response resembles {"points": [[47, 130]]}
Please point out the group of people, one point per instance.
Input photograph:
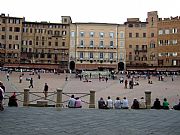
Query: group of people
{"points": [[119, 104], [74, 102], [165, 105]]}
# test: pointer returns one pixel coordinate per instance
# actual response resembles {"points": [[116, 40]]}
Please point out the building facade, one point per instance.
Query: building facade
{"points": [[10, 39], [169, 42], [90, 46], [96, 46]]}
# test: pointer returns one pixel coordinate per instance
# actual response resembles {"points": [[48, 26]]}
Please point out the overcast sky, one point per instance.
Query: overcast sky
{"points": [[105, 11]]}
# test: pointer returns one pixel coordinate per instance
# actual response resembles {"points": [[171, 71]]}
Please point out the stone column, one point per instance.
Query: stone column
{"points": [[148, 99], [92, 99], [26, 97], [59, 97]]}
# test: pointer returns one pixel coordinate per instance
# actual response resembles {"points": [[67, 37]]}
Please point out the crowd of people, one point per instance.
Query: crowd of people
{"points": [[136, 104]]}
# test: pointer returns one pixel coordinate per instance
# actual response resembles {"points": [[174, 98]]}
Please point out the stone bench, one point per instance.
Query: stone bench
{"points": [[42, 103]]}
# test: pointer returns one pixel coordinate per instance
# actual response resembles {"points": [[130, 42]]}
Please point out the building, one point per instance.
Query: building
{"points": [[97, 46], [10, 39], [154, 43], [141, 41], [169, 42]]}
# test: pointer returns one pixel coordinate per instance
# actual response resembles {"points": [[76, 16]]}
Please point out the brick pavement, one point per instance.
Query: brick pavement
{"points": [[52, 121], [160, 89]]}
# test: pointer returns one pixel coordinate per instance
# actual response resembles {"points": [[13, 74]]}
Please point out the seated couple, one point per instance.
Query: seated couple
{"points": [[74, 102]]}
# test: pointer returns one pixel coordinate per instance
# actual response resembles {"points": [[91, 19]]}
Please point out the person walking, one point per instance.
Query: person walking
{"points": [[46, 87], [31, 83]]}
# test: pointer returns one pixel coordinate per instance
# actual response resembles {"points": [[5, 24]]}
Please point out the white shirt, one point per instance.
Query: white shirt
{"points": [[109, 103], [125, 103], [2, 91], [117, 104]]}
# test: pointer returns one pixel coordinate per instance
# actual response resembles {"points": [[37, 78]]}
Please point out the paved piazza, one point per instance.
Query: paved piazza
{"points": [[63, 121], [167, 88]]}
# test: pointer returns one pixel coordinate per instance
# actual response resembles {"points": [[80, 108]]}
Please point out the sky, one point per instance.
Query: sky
{"points": [[104, 11]]}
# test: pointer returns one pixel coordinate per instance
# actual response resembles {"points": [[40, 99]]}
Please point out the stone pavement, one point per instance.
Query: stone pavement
{"points": [[53, 121], [160, 89]]}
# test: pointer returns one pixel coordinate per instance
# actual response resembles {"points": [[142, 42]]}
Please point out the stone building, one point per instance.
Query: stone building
{"points": [[97, 46], [45, 44], [10, 39], [169, 42]]}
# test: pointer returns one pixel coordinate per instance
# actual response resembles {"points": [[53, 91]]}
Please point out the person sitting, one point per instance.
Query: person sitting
{"points": [[177, 107], [157, 104], [71, 102], [117, 103], [78, 102], [109, 103], [165, 104], [142, 103], [13, 101], [101, 104], [125, 103], [135, 104]]}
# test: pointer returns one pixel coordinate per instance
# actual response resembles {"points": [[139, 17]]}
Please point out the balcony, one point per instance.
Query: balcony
{"points": [[140, 50]]}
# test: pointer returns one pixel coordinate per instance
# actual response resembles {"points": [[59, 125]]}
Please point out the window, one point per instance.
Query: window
{"points": [[121, 44], [63, 33], [30, 30], [16, 37], [111, 35], [130, 46], [91, 55], [10, 28], [10, 37], [152, 34], [91, 34], [174, 62], [174, 54], [43, 38], [82, 43], [16, 29], [152, 44], [81, 55], [81, 34], [166, 31], [174, 30], [137, 34], [72, 34], [144, 35], [49, 43], [160, 42], [36, 43], [3, 28], [166, 42], [91, 43], [2, 36], [42, 43], [101, 55], [10, 46], [111, 43], [63, 43], [137, 47], [174, 42], [160, 32], [130, 34], [30, 42], [110, 55], [121, 34], [56, 43], [101, 34], [101, 43]]}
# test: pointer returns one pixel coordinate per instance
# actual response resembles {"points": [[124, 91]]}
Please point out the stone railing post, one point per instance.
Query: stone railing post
{"points": [[148, 99], [59, 97], [26, 97], [92, 99]]}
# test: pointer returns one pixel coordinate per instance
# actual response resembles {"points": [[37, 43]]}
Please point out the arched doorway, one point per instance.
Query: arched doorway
{"points": [[72, 65], [121, 66]]}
